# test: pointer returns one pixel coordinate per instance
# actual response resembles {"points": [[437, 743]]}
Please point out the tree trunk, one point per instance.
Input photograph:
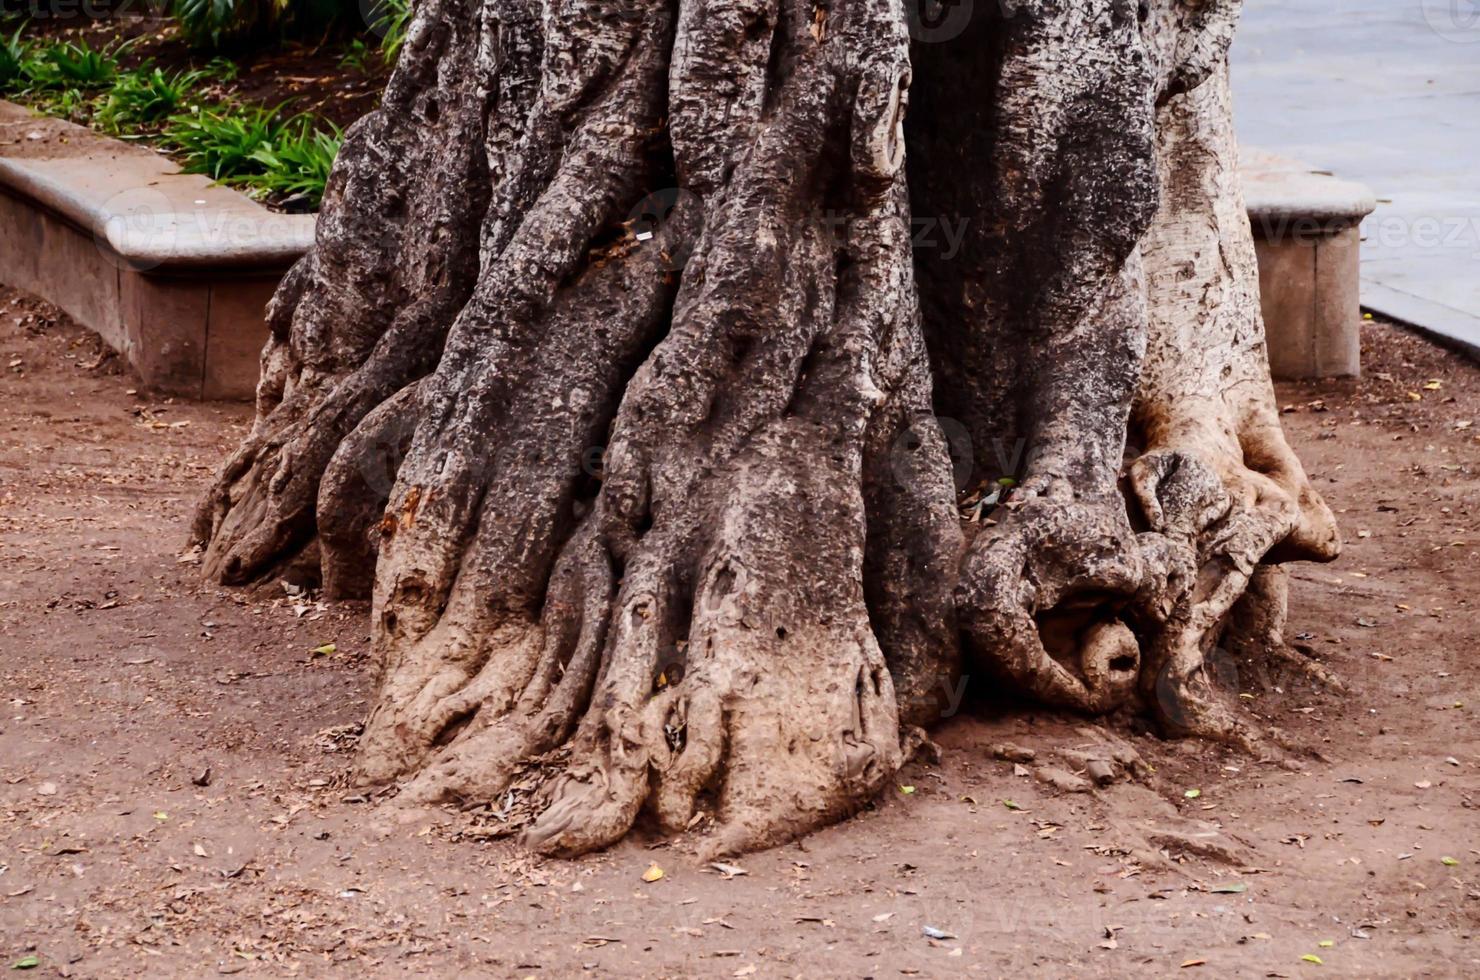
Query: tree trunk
{"points": [[660, 406]]}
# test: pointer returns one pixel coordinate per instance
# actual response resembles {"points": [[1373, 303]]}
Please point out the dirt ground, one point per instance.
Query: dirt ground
{"points": [[172, 757]]}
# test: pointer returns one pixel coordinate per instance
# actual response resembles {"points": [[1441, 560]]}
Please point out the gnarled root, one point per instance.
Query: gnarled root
{"points": [[1082, 593], [364, 313], [1039, 325], [1216, 484], [1042, 591], [1255, 637], [789, 720], [699, 633], [651, 489]]}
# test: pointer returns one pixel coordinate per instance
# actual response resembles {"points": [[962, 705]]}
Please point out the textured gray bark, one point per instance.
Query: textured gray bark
{"points": [[618, 384]]}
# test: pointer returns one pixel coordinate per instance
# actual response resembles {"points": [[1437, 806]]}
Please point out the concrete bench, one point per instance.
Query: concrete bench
{"points": [[171, 270], [1307, 233], [174, 271]]}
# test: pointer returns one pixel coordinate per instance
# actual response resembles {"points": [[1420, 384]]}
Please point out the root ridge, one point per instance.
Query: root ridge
{"points": [[654, 490]]}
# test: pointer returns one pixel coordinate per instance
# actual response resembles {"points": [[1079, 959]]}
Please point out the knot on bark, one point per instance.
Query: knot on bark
{"points": [[878, 127]]}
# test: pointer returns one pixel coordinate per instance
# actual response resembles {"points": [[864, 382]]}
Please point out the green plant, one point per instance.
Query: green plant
{"points": [[221, 70], [13, 58], [220, 142], [212, 24], [64, 103], [223, 24], [68, 65], [255, 148], [390, 19], [356, 57], [144, 97], [298, 162]]}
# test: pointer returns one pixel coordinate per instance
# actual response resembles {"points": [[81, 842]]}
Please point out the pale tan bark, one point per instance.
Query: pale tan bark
{"points": [[1217, 483]]}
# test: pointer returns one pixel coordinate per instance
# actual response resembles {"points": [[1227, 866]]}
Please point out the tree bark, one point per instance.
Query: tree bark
{"points": [[624, 381]]}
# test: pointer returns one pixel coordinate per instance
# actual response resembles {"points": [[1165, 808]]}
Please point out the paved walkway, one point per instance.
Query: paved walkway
{"points": [[1386, 92]]}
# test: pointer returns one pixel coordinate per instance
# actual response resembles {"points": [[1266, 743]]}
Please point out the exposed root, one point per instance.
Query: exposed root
{"points": [[364, 314], [1040, 594], [705, 638], [1216, 484], [355, 490], [1255, 637], [788, 722], [653, 490], [538, 360]]}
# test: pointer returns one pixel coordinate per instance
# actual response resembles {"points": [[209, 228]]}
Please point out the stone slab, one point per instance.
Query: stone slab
{"points": [[234, 354], [1280, 193], [1305, 226], [171, 270], [1386, 93], [138, 204]]}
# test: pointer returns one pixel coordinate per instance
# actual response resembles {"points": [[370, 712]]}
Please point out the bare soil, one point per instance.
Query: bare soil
{"points": [[172, 756]]}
